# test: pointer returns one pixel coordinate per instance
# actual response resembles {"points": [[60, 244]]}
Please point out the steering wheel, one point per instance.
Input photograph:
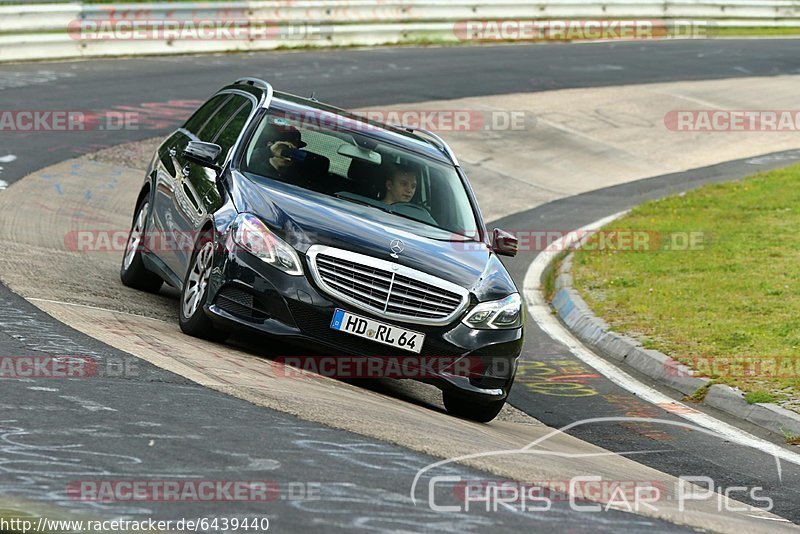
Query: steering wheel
{"points": [[409, 208]]}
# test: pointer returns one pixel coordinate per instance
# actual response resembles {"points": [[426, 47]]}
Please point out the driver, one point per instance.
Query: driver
{"points": [[401, 185]]}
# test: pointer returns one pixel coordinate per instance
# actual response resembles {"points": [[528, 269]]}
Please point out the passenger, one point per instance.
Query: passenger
{"points": [[401, 185]]}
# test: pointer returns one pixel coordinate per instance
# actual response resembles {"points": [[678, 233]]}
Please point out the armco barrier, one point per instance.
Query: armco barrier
{"points": [[40, 31]]}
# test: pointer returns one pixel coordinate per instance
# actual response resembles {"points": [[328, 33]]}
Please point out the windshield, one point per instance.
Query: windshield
{"points": [[352, 166]]}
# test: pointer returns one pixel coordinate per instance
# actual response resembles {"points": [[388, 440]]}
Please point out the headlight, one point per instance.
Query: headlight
{"points": [[496, 314], [253, 235]]}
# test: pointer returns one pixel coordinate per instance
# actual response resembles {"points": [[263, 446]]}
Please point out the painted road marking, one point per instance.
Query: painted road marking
{"points": [[8, 158], [676, 408], [540, 311], [87, 404]]}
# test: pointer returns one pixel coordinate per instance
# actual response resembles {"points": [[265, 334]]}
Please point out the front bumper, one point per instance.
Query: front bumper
{"points": [[247, 294]]}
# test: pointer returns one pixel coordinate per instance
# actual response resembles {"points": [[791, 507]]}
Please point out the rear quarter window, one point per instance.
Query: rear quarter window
{"points": [[327, 145], [230, 131], [197, 121], [221, 117]]}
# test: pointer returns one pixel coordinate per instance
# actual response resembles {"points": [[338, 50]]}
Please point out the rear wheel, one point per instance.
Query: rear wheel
{"points": [[192, 317], [132, 271], [462, 406]]}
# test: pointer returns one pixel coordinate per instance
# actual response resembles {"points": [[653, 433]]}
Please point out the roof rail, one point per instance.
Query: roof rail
{"points": [[440, 143], [261, 84]]}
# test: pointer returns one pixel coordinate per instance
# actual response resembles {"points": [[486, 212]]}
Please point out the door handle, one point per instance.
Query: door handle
{"points": [[191, 197]]}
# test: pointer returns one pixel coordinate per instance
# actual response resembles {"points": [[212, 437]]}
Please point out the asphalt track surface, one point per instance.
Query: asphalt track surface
{"points": [[360, 78], [209, 421], [163, 427]]}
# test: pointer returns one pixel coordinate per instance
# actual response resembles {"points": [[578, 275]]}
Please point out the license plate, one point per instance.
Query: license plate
{"points": [[381, 332]]}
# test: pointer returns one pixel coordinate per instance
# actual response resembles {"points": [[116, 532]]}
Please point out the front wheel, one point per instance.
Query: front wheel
{"points": [[192, 317], [466, 408], [132, 272]]}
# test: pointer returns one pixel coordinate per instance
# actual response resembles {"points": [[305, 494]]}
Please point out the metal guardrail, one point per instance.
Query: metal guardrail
{"points": [[42, 31]]}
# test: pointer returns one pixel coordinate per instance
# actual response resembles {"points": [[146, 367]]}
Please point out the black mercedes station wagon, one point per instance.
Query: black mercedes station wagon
{"points": [[280, 215]]}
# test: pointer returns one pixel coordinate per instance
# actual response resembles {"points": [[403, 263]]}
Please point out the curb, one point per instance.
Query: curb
{"points": [[594, 332]]}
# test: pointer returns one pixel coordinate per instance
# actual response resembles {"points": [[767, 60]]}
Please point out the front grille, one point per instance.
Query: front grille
{"points": [[386, 289], [368, 285], [421, 300]]}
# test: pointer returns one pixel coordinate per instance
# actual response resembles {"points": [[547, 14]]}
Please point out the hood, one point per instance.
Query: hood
{"points": [[303, 218]]}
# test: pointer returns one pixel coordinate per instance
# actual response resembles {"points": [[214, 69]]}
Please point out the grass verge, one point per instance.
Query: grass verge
{"points": [[715, 286], [551, 273]]}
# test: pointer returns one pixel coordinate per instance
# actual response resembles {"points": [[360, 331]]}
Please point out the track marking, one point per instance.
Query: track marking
{"points": [[540, 311], [5, 159], [87, 404]]}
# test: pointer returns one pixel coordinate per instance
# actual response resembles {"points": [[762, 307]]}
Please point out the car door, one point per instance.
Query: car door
{"points": [[168, 185], [196, 194]]}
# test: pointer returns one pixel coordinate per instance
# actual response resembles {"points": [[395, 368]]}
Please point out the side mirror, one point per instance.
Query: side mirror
{"points": [[203, 154], [504, 243]]}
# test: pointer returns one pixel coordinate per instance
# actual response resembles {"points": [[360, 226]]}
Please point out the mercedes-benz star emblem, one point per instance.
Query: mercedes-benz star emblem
{"points": [[397, 247]]}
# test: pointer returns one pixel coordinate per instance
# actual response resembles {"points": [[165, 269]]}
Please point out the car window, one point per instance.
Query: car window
{"points": [[220, 118], [356, 167], [230, 131], [201, 116], [325, 145]]}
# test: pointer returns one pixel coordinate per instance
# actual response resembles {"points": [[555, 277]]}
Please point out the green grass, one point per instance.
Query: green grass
{"points": [[755, 397], [731, 307], [755, 32], [699, 395], [790, 437], [551, 273]]}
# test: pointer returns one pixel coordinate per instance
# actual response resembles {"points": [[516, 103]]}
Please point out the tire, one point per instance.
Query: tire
{"points": [[462, 406], [191, 317], [132, 272]]}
